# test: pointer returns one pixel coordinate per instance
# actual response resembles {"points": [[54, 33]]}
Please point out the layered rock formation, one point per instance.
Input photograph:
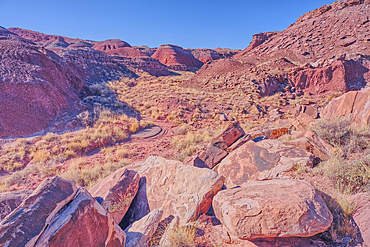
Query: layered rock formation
{"points": [[324, 51], [176, 58], [110, 44]]}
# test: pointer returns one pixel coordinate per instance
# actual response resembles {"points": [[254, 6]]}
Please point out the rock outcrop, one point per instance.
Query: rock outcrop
{"points": [[27, 222], [353, 105], [311, 142], [218, 148], [176, 58], [93, 65], [274, 208], [323, 52], [116, 192], [361, 214], [56, 213], [340, 76], [174, 187]]}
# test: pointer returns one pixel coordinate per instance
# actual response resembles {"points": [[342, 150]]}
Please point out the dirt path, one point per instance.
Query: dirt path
{"points": [[154, 141]]}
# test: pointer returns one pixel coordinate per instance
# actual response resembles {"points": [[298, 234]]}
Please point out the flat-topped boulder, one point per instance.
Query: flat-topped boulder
{"points": [[272, 208], [266, 159], [174, 187]]}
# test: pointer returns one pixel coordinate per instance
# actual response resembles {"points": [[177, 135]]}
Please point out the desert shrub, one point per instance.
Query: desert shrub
{"points": [[14, 157], [134, 127], [339, 132], [335, 131], [348, 176]]}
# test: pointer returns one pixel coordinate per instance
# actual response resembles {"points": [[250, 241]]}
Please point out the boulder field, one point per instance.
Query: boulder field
{"points": [[148, 202]]}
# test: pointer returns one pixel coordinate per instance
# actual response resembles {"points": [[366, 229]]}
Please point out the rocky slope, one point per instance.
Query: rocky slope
{"points": [[37, 86], [324, 51], [40, 38]]}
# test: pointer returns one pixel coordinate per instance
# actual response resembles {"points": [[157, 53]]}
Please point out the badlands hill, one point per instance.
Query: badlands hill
{"points": [[325, 50]]}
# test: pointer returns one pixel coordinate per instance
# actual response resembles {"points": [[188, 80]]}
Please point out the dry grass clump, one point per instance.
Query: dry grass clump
{"points": [[181, 236], [107, 130], [187, 143], [86, 175], [340, 133], [48, 151], [15, 156], [348, 176]]}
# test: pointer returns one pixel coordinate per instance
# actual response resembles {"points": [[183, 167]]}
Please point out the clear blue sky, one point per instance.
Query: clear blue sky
{"points": [[191, 23]]}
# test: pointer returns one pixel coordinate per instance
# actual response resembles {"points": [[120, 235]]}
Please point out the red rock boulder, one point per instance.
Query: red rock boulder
{"points": [[116, 192], [82, 223], [274, 208], [25, 224], [353, 105]]}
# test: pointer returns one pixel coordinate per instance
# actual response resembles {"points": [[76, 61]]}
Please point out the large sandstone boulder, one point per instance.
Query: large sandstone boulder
{"points": [[266, 159], [116, 192], [353, 105], [273, 208], [83, 222], [174, 187], [56, 213], [26, 223], [11, 200], [140, 232], [240, 165]]}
